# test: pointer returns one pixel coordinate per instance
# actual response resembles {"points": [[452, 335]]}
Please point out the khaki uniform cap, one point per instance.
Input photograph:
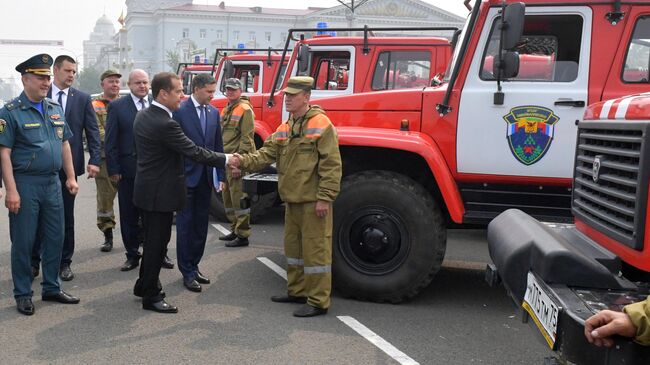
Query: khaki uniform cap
{"points": [[297, 84], [109, 73]]}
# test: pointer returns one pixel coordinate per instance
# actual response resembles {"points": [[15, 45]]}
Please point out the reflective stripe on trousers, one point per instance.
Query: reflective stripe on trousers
{"points": [[317, 269], [295, 262]]}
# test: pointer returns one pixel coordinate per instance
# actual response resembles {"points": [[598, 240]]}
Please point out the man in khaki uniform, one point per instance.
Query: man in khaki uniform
{"points": [[309, 171], [237, 129], [106, 188], [634, 321]]}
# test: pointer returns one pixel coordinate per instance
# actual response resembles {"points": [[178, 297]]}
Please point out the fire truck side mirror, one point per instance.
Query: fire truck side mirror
{"points": [[508, 66], [303, 60], [228, 69], [512, 25]]}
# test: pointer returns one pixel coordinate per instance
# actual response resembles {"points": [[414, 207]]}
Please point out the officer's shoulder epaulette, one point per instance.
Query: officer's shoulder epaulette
{"points": [[13, 104]]}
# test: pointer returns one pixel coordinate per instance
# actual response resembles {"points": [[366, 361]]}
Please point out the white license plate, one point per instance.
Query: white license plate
{"points": [[542, 309]]}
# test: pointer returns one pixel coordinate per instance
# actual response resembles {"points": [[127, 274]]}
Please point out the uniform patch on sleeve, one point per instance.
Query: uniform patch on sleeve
{"points": [[3, 124]]}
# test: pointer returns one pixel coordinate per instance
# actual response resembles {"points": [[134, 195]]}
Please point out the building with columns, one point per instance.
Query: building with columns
{"points": [[159, 32]]}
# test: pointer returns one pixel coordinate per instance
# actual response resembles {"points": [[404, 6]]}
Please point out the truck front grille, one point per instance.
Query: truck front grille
{"points": [[611, 180]]}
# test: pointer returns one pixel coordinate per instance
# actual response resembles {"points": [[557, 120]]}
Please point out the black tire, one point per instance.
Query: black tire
{"points": [[260, 204], [389, 237]]}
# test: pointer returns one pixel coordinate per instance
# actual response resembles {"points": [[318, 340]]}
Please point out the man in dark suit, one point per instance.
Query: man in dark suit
{"points": [[120, 162], [200, 123], [80, 116], [120, 159], [159, 188]]}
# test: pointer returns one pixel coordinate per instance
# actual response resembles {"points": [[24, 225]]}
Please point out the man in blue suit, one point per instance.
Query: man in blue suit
{"points": [[200, 122], [80, 116], [121, 161]]}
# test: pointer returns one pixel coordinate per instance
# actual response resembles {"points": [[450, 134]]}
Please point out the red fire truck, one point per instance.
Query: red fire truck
{"points": [[484, 139], [563, 274], [186, 71], [341, 66]]}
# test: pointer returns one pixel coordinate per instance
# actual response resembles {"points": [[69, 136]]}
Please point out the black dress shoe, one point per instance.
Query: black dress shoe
{"points": [[239, 242], [25, 306], [309, 311], [107, 246], [167, 263], [201, 279], [229, 237], [34, 272], [66, 273], [192, 286], [130, 264], [61, 297], [160, 307], [288, 299]]}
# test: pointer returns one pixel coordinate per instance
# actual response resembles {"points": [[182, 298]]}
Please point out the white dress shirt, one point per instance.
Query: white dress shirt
{"points": [[162, 107], [196, 107], [136, 101], [64, 97]]}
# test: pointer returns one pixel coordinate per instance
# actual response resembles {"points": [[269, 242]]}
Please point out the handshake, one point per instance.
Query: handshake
{"points": [[234, 165]]}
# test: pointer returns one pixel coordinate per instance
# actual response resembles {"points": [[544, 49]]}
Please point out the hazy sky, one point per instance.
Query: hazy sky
{"points": [[72, 21]]}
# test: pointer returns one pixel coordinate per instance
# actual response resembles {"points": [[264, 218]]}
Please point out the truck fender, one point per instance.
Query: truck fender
{"points": [[414, 142], [263, 129]]}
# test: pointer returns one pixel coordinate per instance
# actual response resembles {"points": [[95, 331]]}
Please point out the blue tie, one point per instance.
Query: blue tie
{"points": [[203, 120], [61, 100]]}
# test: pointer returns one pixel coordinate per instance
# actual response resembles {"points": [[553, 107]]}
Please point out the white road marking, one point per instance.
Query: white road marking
{"points": [[220, 228], [359, 328], [273, 266], [374, 339]]}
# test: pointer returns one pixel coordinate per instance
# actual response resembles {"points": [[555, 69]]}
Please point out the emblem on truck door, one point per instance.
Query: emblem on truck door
{"points": [[530, 132], [595, 169]]}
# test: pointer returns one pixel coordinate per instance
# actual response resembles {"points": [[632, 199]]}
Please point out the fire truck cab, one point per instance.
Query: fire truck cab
{"points": [[255, 68], [187, 71]]}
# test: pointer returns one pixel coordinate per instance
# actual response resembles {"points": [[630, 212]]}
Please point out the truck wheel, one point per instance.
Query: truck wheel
{"points": [[389, 237], [259, 205]]}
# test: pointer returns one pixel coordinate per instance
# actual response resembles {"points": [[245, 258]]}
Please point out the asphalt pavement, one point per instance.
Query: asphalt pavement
{"points": [[458, 319]]}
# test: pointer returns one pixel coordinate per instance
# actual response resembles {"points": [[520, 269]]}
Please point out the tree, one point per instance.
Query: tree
{"points": [[173, 59], [88, 80]]}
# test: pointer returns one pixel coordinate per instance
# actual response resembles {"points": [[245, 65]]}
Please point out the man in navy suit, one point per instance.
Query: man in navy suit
{"points": [[200, 122], [121, 161], [80, 116]]}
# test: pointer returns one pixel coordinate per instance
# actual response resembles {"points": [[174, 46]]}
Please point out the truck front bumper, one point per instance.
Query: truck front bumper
{"points": [[549, 267]]}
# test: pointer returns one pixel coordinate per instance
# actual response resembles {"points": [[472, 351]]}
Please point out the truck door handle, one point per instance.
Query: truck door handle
{"points": [[576, 103]]}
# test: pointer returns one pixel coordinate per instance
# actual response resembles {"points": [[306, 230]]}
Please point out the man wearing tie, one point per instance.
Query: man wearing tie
{"points": [[120, 161], [159, 188], [200, 123], [80, 116]]}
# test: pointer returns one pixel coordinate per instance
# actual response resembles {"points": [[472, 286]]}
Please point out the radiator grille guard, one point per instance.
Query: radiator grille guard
{"points": [[610, 186]]}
